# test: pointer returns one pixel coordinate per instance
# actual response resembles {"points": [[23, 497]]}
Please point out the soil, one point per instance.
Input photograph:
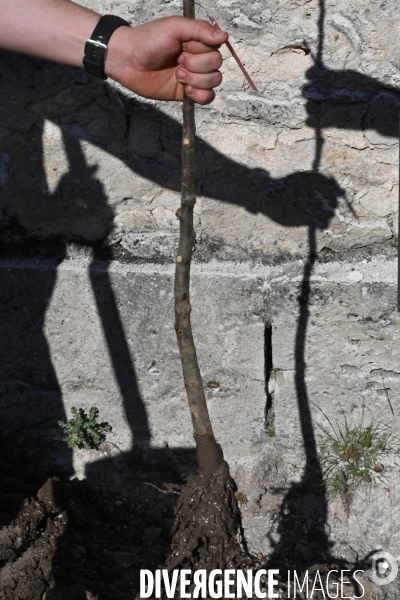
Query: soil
{"points": [[64, 539], [207, 527]]}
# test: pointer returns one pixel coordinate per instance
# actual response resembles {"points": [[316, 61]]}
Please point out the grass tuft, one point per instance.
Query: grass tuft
{"points": [[351, 454]]}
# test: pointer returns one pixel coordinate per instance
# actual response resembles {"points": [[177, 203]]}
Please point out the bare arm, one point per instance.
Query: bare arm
{"points": [[53, 29], [157, 60]]}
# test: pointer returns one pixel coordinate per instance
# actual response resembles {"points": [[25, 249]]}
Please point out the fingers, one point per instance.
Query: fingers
{"points": [[206, 81], [199, 87], [200, 96], [198, 47], [189, 30], [201, 63], [200, 60]]}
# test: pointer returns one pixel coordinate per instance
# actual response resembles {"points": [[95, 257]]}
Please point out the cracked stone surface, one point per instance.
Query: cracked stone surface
{"points": [[338, 76], [140, 390]]}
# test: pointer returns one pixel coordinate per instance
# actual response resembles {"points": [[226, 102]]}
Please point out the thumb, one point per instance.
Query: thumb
{"points": [[200, 31]]}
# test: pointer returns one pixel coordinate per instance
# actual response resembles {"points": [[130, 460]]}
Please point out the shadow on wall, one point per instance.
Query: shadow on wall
{"points": [[148, 142], [40, 223], [347, 100]]}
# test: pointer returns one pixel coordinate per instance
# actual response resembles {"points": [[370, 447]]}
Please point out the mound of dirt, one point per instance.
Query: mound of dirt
{"points": [[70, 540]]}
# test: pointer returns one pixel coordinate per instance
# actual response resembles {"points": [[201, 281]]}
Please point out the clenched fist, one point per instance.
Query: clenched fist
{"points": [[167, 57]]}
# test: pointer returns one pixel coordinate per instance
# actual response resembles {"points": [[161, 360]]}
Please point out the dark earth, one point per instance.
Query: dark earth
{"points": [[64, 539], [67, 539]]}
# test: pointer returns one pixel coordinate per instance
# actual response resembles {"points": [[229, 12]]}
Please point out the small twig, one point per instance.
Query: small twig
{"points": [[237, 59], [386, 390], [231, 50], [115, 445], [170, 488]]}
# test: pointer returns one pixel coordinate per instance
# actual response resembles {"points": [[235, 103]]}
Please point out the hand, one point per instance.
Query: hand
{"points": [[166, 58]]}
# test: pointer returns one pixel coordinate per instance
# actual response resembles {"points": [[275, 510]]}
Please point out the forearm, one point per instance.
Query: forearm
{"points": [[52, 29]]}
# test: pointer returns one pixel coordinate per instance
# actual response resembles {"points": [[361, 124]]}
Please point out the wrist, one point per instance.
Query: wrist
{"points": [[79, 37], [120, 56]]}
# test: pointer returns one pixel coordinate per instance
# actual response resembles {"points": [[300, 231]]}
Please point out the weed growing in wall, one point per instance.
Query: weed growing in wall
{"points": [[351, 454], [83, 430]]}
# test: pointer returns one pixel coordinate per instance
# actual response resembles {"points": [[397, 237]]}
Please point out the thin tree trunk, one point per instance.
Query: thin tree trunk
{"points": [[209, 453], [206, 531]]}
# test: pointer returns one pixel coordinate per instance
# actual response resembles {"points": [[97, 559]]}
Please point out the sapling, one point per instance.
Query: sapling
{"points": [[207, 517]]}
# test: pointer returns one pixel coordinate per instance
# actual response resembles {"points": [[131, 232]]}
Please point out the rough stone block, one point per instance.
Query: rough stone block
{"points": [[111, 343]]}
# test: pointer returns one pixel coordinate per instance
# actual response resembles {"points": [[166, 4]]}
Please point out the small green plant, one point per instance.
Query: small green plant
{"points": [[351, 454], [83, 430]]}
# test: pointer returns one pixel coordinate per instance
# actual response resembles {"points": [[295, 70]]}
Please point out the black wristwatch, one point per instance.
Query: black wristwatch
{"points": [[96, 46]]}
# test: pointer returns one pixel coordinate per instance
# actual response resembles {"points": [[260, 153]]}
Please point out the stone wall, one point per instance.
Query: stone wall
{"points": [[90, 178]]}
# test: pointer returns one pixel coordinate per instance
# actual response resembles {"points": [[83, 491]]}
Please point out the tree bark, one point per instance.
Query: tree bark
{"points": [[206, 531], [209, 453]]}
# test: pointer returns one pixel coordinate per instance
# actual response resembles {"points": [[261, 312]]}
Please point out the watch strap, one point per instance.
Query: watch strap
{"points": [[96, 45]]}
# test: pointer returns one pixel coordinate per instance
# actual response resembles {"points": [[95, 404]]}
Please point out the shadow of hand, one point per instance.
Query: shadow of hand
{"points": [[350, 100]]}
